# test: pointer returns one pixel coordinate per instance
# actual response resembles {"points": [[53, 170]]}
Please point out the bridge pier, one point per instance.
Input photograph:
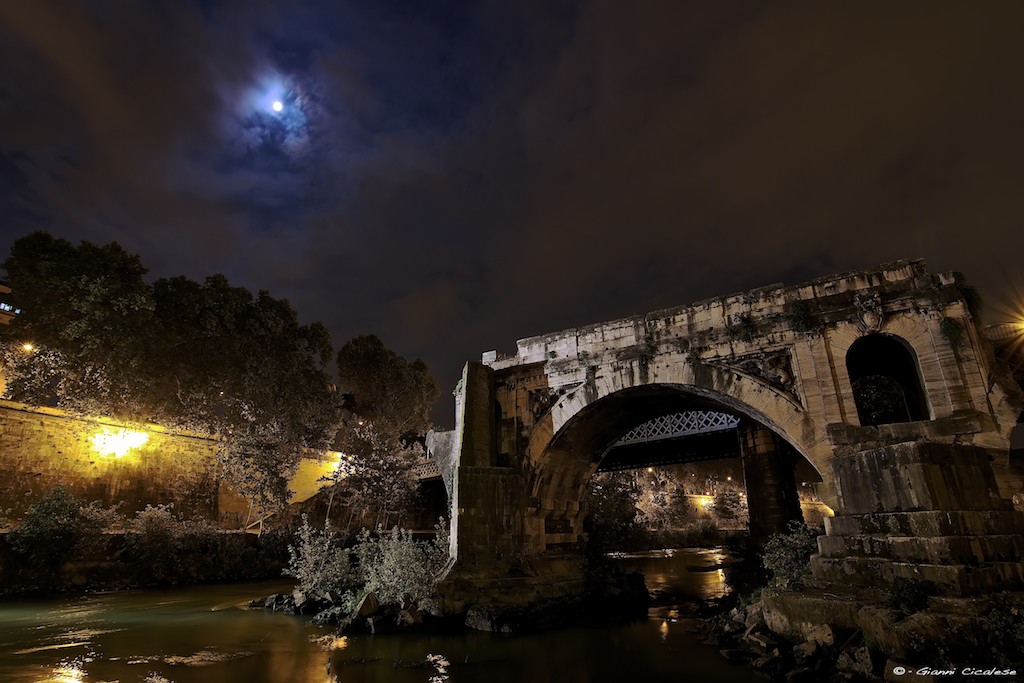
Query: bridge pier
{"points": [[768, 463], [921, 511]]}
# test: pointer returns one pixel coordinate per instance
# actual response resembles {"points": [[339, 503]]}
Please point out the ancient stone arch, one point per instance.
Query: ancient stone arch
{"points": [[776, 355]]}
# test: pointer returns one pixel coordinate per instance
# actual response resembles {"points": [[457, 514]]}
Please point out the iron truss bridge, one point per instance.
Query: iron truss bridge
{"points": [[426, 469], [678, 425], [673, 439]]}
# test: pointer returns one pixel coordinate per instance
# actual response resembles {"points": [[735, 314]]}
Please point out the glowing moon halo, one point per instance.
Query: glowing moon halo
{"points": [[277, 105]]}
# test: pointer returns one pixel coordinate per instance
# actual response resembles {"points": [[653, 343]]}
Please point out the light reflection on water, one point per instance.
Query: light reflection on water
{"points": [[695, 573], [204, 634]]}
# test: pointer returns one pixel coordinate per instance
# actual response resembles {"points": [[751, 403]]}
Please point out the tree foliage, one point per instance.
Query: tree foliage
{"points": [[388, 404], [389, 392], [788, 556], [203, 356], [375, 476], [613, 519]]}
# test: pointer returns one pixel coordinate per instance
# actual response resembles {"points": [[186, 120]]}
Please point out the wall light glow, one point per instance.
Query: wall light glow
{"points": [[117, 442]]}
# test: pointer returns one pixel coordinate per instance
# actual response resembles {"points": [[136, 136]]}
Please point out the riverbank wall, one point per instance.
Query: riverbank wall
{"points": [[116, 463], [114, 561]]}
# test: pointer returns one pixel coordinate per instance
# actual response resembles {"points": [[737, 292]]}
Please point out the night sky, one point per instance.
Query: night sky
{"points": [[454, 176]]}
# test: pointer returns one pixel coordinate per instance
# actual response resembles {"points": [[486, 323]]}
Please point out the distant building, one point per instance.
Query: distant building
{"points": [[7, 309]]}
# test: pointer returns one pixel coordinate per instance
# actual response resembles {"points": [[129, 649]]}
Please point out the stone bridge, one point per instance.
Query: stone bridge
{"points": [[882, 379]]}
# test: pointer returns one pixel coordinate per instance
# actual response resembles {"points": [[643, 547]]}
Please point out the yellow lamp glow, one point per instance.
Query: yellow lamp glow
{"points": [[28, 347], [117, 442]]}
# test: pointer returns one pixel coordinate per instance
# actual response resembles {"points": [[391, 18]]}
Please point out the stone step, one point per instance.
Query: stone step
{"points": [[928, 523], [878, 571], [966, 550], [916, 477]]}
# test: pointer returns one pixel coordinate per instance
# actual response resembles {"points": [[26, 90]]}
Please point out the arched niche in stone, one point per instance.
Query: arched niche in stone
{"points": [[886, 380]]}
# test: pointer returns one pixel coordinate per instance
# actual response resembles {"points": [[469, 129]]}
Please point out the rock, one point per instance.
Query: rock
{"points": [[481, 619], [805, 651], [801, 675], [299, 597], [734, 655], [410, 617], [761, 662], [821, 634], [367, 607], [79, 580], [737, 615], [855, 660], [753, 615], [760, 642], [331, 615], [378, 624], [732, 627]]}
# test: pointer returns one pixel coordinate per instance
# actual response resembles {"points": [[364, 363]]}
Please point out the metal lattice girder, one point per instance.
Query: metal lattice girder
{"points": [[679, 424], [426, 469]]}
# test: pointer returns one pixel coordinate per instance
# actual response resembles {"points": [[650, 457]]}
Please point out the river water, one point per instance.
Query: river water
{"points": [[205, 633]]}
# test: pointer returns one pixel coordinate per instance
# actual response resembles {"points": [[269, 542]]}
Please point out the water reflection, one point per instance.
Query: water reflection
{"points": [[204, 634], [689, 573]]}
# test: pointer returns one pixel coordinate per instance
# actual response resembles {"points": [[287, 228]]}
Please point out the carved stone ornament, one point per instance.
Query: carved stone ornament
{"points": [[870, 307], [541, 400], [773, 368]]}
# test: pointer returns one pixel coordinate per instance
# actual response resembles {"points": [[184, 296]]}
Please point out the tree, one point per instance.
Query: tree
{"points": [[389, 392], [728, 505], [90, 315], [389, 404], [613, 519], [206, 357]]}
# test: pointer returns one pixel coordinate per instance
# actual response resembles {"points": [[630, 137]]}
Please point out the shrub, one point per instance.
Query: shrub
{"points": [[51, 529], [393, 565], [909, 595], [96, 521], [153, 544], [319, 561], [800, 315], [788, 555], [168, 548], [1003, 629]]}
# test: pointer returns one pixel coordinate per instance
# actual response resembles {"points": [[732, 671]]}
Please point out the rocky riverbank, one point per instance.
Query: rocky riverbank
{"points": [[610, 595], [816, 635]]}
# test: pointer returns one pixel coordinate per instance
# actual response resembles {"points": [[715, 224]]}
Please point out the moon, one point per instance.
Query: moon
{"points": [[277, 105]]}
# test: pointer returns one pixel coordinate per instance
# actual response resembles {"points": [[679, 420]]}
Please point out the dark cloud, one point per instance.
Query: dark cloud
{"points": [[454, 176]]}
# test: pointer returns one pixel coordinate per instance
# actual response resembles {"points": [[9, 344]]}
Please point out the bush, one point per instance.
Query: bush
{"points": [[787, 556], [319, 560], [393, 565], [167, 548], [909, 595], [51, 529], [1003, 629]]}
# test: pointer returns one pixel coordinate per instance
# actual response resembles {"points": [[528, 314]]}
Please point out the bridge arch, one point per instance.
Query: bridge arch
{"points": [[731, 390], [566, 445]]}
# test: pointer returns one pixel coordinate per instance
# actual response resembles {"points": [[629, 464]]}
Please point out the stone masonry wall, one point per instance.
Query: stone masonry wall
{"points": [[42, 448]]}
